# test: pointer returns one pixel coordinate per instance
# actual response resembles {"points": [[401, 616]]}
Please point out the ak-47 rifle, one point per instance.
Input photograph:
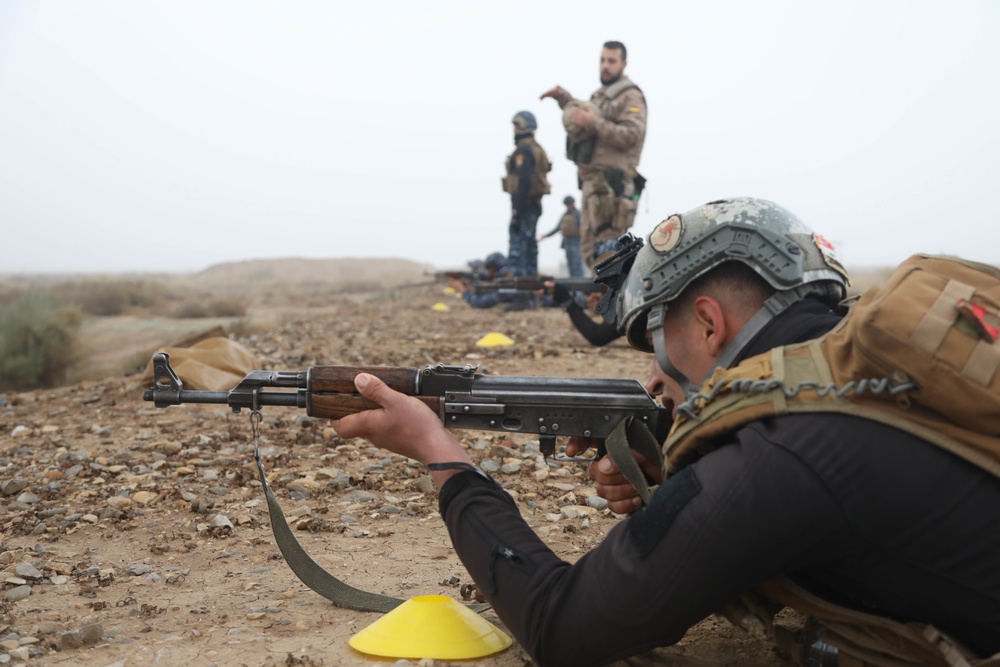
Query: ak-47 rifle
{"points": [[547, 406], [457, 275], [535, 283], [463, 399]]}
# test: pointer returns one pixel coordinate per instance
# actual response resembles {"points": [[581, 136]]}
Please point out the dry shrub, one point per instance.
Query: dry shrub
{"points": [[110, 297], [200, 309], [38, 342]]}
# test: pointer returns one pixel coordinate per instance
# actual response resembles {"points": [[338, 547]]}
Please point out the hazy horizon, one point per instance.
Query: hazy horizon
{"points": [[171, 137]]}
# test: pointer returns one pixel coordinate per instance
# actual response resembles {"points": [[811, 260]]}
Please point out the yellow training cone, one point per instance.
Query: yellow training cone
{"points": [[431, 626], [450, 290], [440, 307], [494, 339]]}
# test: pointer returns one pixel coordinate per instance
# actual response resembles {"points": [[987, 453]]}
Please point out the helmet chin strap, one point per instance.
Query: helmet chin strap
{"points": [[774, 305], [654, 324]]}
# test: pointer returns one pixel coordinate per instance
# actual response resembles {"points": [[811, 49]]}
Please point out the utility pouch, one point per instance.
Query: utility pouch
{"points": [[509, 183], [580, 152], [625, 210], [639, 183], [627, 190], [616, 181], [601, 206]]}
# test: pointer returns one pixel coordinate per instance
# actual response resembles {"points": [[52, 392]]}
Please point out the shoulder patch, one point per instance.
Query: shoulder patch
{"points": [[634, 109], [518, 160], [648, 525]]}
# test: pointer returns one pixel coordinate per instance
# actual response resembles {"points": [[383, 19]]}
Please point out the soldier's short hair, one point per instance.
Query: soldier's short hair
{"points": [[619, 46]]}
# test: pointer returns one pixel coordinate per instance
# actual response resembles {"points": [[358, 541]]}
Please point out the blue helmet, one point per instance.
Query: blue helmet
{"points": [[525, 121], [495, 260]]}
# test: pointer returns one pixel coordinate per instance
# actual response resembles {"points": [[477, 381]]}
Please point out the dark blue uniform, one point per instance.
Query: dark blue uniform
{"points": [[525, 210]]}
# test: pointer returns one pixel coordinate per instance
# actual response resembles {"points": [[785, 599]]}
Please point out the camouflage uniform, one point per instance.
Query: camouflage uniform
{"points": [[607, 164]]}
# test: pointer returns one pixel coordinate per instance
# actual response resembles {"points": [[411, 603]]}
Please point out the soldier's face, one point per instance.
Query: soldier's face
{"points": [[612, 65]]}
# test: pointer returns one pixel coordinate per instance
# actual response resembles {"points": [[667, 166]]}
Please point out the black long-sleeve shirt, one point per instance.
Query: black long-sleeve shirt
{"points": [[884, 521]]}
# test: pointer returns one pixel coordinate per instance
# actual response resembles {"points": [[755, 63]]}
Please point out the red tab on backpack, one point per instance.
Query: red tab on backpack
{"points": [[976, 316]]}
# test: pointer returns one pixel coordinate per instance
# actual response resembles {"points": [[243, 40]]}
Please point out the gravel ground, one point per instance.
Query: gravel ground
{"points": [[139, 536]]}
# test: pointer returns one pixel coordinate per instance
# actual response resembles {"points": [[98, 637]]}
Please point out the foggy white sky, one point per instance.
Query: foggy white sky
{"points": [[173, 135]]}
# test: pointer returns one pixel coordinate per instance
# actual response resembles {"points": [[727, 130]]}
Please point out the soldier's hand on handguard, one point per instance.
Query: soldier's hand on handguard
{"points": [[403, 425]]}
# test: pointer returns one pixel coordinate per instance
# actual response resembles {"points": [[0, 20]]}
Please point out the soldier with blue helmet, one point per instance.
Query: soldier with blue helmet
{"points": [[526, 182], [494, 266]]}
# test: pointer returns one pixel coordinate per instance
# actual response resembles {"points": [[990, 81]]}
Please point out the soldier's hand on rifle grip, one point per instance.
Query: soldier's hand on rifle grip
{"points": [[612, 485]]}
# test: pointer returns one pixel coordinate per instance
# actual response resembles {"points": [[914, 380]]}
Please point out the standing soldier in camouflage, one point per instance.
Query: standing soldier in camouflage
{"points": [[604, 139], [526, 182], [569, 227]]}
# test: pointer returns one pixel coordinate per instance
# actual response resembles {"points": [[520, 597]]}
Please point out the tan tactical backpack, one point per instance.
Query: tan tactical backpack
{"points": [[921, 354]]}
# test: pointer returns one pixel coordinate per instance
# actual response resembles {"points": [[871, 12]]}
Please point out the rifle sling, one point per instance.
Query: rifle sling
{"points": [[309, 571], [633, 434]]}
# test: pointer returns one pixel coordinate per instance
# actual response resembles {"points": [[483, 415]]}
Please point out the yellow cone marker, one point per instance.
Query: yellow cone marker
{"points": [[440, 307], [431, 626], [450, 290], [494, 339]]}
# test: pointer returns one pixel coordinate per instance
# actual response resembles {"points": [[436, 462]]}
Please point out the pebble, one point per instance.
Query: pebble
{"points": [[28, 571], [425, 484], [28, 498], [489, 465], [12, 486], [597, 502], [144, 497], [17, 593], [119, 502]]}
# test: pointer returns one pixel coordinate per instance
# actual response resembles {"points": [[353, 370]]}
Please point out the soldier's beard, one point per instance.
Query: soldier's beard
{"points": [[610, 80]]}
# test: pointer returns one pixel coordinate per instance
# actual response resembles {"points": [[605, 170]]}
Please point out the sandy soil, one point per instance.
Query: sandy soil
{"points": [[142, 533]]}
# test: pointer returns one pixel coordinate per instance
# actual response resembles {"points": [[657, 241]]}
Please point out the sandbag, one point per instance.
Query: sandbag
{"points": [[212, 364]]}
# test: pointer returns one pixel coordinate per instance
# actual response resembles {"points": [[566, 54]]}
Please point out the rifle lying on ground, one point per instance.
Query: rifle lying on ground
{"points": [[535, 283], [463, 399], [616, 410]]}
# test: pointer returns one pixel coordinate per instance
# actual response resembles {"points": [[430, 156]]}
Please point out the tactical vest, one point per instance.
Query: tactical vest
{"points": [[920, 354], [539, 180], [569, 224], [602, 96]]}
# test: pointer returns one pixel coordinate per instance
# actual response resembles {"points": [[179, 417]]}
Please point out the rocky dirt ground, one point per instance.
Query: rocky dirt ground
{"points": [[133, 535]]}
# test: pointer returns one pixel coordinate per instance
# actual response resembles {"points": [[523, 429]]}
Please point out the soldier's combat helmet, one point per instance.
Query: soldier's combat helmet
{"points": [[495, 260], [525, 121], [569, 200], [769, 239], [576, 132]]}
